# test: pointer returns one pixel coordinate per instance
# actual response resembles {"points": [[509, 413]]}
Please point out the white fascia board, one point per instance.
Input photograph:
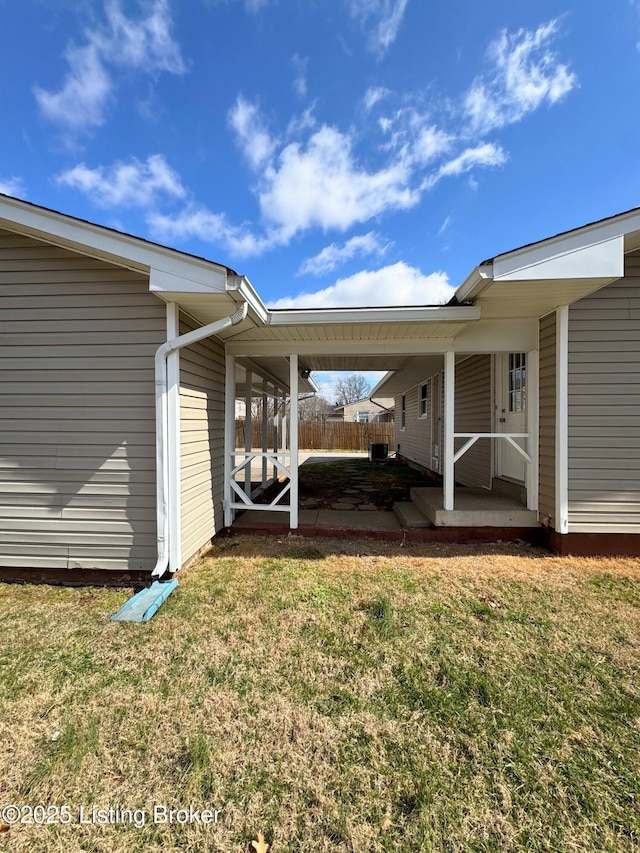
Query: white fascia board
{"points": [[575, 256], [97, 241], [417, 314], [189, 280], [475, 283]]}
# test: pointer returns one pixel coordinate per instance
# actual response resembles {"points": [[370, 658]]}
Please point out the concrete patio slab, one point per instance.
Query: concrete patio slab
{"points": [[351, 519]]}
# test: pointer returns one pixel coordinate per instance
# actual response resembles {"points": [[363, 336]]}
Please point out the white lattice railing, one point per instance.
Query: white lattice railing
{"points": [[278, 460]]}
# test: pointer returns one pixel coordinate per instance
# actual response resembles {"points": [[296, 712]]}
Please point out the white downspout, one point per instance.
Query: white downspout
{"points": [[162, 472]]}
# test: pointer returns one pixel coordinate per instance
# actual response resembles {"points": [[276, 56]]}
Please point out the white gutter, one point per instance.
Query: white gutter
{"points": [[475, 283], [404, 314], [162, 470]]}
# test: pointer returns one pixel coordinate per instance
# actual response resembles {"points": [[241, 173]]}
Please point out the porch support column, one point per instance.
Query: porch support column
{"points": [[532, 407], [562, 420], [449, 409], [173, 440], [229, 434], [293, 440], [265, 425], [283, 422], [276, 426], [248, 397]]}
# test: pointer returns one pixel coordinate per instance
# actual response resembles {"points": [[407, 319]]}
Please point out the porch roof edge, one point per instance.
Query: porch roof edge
{"points": [[407, 314]]}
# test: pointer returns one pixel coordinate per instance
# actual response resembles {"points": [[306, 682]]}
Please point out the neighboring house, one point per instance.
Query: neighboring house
{"points": [[365, 411], [121, 361]]}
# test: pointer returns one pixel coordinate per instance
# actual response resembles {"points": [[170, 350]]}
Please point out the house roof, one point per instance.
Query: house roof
{"points": [[121, 234], [597, 222], [496, 307]]}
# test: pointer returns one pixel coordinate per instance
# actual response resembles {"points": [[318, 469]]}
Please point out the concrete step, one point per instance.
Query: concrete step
{"points": [[473, 508], [409, 515], [425, 497]]}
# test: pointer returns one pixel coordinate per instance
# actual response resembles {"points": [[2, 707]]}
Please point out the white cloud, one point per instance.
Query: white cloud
{"points": [[485, 155], [525, 74], [430, 143], [209, 227], [397, 284], [323, 185], [315, 177], [386, 17], [145, 45], [82, 101], [317, 181], [445, 225], [300, 79], [252, 135], [254, 6], [335, 254], [125, 184], [13, 186], [373, 95]]}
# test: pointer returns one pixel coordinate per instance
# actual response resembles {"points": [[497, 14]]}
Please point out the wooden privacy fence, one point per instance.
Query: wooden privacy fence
{"points": [[325, 435]]}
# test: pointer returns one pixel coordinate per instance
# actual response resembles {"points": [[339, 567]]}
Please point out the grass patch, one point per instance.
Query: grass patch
{"points": [[336, 697]]}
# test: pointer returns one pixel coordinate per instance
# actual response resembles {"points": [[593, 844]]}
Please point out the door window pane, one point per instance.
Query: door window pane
{"points": [[517, 378]]}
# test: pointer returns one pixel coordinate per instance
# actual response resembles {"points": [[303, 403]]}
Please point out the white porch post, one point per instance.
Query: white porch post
{"points": [[283, 422], [173, 440], [532, 406], [449, 409], [276, 427], [562, 420], [229, 433], [248, 397], [265, 425], [293, 441]]}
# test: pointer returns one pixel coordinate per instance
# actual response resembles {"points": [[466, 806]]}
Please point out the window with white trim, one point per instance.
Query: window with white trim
{"points": [[423, 407], [403, 412]]}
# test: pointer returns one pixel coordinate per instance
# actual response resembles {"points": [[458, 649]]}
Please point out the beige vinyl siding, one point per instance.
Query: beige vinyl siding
{"points": [[547, 419], [473, 414], [77, 410], [415, 440], [201, 440], [604, 407]]}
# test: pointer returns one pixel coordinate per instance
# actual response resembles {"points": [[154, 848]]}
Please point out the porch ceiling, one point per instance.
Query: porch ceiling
{"points": [[273, 370]]}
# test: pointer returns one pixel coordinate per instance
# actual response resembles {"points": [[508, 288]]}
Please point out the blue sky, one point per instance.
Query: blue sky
{"points": [[337, 152]]}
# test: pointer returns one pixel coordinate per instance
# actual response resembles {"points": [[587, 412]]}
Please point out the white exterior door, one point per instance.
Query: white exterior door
{"points": [[511, 412]]}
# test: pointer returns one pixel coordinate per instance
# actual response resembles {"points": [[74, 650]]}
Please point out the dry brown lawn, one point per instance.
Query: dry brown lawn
{"points": [[336, 696]]}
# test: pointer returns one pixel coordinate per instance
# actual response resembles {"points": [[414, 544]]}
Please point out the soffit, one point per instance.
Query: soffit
{"points": [[343, 332], [529, 299]]}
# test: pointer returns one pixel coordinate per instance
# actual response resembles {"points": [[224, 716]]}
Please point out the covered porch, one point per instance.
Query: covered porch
{"points": [[411, 344]]}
